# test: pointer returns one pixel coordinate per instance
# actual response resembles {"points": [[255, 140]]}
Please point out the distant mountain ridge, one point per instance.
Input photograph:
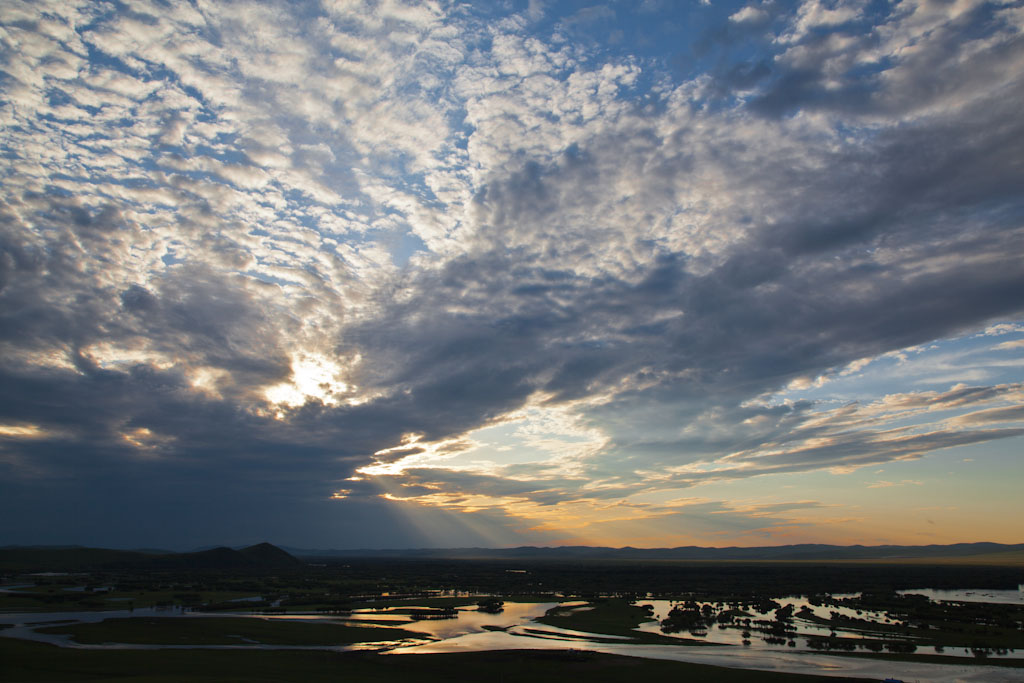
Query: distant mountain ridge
{"points": [[266, 556], [800, 552], [76, 558]]}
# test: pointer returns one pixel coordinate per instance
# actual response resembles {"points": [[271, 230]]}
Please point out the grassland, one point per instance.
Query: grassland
{"points": [[614, 617], [53, 596], [224, 631], [28, 662], [413, 602]]}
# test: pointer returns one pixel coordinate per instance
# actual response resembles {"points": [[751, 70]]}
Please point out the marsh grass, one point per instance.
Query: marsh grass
{"points": [[224, 631], [612, 617]]}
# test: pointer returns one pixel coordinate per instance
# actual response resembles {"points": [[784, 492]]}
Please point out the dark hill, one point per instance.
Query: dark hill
{"points": [[214, 558], [263, 556], [269, 555], [257, 557]]}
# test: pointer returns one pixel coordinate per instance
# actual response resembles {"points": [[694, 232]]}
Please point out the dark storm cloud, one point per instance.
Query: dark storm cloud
{"points": [[61, 295], [859, 262], [801, 296], [848, 70]]}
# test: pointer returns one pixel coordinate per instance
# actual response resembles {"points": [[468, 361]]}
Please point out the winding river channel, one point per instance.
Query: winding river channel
{"points": [[516, 628]]}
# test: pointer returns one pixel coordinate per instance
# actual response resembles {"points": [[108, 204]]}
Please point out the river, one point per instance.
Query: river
{"points": [[516, 628]]}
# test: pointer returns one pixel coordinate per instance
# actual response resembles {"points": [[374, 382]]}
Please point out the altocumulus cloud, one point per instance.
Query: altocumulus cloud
{"points": [[298, 270]]}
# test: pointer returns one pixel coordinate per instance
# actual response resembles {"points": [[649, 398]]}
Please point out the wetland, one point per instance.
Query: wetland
{"points": [[752, 618]]}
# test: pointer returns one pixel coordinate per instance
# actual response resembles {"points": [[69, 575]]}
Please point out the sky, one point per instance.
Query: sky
{"points": [[348, 274]]}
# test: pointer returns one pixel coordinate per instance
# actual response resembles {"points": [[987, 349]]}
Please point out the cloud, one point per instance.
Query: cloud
{"points": [[889, 484], [814, 14], [728, 445], [270, 246], [749, 14]]}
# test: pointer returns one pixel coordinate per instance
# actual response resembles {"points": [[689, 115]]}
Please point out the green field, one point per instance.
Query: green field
{"points": [[224, 631], [54, 597], [24, 662], [611, 618], [413, 602]]}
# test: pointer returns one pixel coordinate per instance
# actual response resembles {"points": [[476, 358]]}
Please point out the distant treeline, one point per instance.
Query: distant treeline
{"points": [[1013, 554], [572, 573], [596, 578]]}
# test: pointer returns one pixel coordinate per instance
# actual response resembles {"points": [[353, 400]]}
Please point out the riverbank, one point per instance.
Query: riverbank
{"points": [[29, 662]]}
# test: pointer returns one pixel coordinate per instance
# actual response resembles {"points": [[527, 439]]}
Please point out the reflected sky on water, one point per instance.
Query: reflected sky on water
{"points": [[1003, 597]]}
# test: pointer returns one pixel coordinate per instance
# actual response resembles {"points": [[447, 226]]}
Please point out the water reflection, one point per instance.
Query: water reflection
{"points": [[469, 619], [1002, 597], [749, 633], [520, 638]]}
